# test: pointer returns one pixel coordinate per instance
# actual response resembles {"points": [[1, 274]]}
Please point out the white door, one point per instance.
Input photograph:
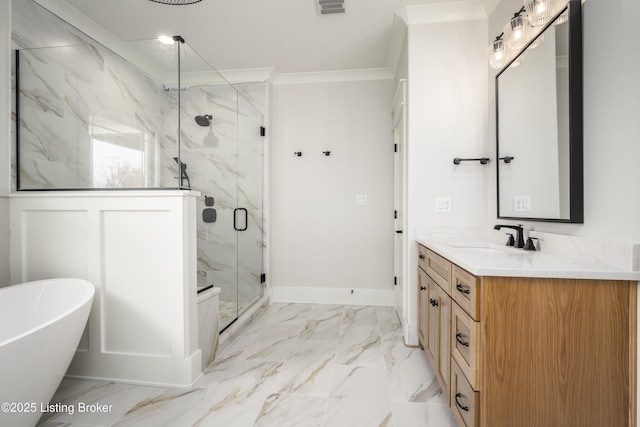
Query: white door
{"points": [[399, 137]]}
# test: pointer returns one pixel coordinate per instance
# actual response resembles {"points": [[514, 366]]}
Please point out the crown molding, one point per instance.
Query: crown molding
{"points": [[333, 76]]}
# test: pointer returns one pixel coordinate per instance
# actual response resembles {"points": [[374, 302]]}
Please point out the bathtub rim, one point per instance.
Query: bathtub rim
{"points": [[88, 287]]}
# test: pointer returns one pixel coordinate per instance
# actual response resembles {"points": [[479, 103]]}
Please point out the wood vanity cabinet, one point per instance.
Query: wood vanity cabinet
{"points": [[534, 351], [435, 325]]}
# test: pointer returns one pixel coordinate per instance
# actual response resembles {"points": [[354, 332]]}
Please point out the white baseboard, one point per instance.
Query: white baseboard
{"points": [[377, 297]]}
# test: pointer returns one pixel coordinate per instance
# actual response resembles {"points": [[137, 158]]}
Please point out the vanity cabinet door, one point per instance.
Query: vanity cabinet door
{"points": [[433, 313], [438, 341], [444, 362], [423, 304]]}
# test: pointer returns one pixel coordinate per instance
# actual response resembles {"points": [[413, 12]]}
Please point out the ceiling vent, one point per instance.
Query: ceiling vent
{"points": [[176, 2], [327, 7]]}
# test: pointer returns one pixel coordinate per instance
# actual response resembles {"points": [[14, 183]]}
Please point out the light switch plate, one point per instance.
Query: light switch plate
{"points": [[443, 204], [521, 203]]}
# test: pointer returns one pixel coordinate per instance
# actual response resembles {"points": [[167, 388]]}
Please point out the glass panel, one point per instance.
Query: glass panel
{"points": [[250, 191], [97, 117], [209, 149]]}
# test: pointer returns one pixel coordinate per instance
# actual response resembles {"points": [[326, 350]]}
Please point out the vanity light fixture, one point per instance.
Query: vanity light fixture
{"points": [[541, 11], [538, 11], [498, 53], [521, 29], [517, 30]]}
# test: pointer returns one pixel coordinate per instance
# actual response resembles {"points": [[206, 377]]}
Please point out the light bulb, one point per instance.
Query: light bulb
{"points": [[497, 54], [538, 11], [166, 40], [517, 32]]}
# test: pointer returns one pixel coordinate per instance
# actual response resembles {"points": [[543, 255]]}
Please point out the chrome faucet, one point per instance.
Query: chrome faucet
{"points": [[519, 233]]}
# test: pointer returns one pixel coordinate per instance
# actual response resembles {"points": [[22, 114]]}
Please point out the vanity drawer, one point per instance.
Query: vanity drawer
{"points": [[422, 257], [440, 270], [465, 402], [466, 291], [465, 344]]}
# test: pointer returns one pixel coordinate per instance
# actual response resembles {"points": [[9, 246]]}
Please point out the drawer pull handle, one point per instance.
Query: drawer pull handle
{"points": [[462, 289], [422, 288], [460, 340], [433, 302], [461, 406], [422, 256]]}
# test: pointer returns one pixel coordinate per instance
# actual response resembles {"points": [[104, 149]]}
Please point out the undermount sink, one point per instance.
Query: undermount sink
{"points": [[479, 247]]}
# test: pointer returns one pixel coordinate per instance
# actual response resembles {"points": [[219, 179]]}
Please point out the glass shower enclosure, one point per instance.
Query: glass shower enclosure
{"points": [[148, 115]]}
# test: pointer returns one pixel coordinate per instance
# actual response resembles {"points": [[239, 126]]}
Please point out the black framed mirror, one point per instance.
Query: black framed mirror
{"points": [[539, 126]]}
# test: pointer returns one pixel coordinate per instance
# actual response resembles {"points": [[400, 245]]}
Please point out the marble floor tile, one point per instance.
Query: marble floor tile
{"points": [[390, 326], [294, 365], [117, 398], [361, 346], [168, 408], [283, 410], [360, 316], [322, 329], [309, 369], [417, 414], [282, 314], [359, 397], [275, 343], [238, 398], [410, 376]]}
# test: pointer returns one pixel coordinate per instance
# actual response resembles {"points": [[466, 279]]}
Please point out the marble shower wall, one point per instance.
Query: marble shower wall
{"points": [[87, 117], [78, 100]]}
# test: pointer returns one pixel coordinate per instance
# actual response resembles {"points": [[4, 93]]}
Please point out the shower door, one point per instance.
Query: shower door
{"points": [[224, 158], [249, 213]]}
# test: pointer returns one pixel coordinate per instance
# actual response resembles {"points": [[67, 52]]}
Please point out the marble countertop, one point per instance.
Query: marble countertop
{"points": [[485, 258]]}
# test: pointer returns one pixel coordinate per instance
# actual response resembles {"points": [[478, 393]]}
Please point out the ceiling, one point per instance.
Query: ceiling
{"points": [[288, 35]]}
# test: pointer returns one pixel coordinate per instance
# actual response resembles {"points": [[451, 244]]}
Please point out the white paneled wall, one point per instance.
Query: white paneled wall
{"points": [[138, 249]]}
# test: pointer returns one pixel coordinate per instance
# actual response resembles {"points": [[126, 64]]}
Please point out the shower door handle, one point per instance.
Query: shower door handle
{"points": [[235, 219]]}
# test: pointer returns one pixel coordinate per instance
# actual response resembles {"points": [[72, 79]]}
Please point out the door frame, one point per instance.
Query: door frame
{"points": [[399, 117]]}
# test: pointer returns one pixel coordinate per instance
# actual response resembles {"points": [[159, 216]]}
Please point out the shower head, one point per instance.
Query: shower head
{"points": [[204, 120]]}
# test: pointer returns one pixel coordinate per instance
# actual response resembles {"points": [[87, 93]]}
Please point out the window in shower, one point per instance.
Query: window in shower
{"points": [[120, 155]]}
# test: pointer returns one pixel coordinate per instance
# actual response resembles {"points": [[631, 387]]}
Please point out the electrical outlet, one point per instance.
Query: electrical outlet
{"points": [[443, 204], [521, 203], [361, 200]]}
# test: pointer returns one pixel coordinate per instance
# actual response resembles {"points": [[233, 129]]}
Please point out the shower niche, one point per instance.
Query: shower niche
{"points": [[146, 115]]}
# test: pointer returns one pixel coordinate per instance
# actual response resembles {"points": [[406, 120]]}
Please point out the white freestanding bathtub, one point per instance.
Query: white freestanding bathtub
{"points": [[41, 324]]}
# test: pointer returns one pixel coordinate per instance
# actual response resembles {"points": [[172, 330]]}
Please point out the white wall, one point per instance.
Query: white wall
{"points": [[323, 244], [5, 137], [611, 120], [447, 119]]}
